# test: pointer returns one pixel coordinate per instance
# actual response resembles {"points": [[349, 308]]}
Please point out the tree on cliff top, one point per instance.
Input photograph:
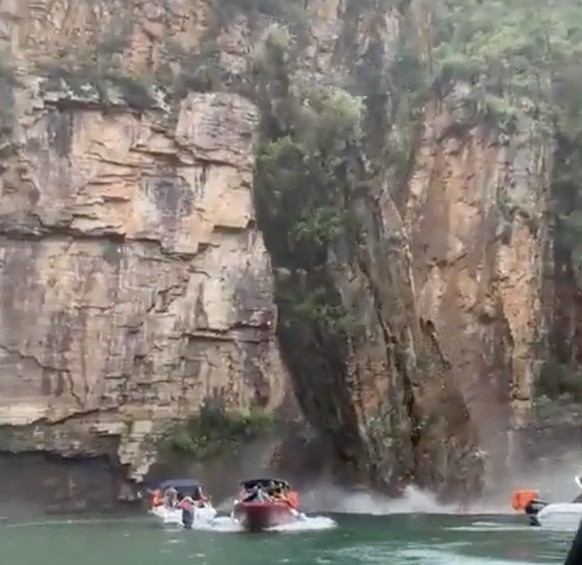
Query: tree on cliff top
{"points": [[509, 49]]}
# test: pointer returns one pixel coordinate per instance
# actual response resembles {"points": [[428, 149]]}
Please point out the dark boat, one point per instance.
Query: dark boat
{"points": [[189, 487], [264, 504]]}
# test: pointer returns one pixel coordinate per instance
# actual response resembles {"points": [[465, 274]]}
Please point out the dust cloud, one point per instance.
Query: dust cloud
{"points": [[553, 477]]}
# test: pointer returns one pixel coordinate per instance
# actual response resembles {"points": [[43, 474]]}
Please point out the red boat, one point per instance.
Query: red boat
{"points": [[264, 504]]}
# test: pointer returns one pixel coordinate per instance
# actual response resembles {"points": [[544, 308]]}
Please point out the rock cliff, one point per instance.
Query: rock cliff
{"points": [[476, 209], [134, 280], [265, 200]]}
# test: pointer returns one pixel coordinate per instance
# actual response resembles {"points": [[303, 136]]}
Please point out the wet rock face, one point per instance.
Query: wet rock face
{"points": [[134, 282]]}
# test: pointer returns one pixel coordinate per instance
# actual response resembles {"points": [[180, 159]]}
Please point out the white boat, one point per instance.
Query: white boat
{"points": [[563, 515], [165, 498]]}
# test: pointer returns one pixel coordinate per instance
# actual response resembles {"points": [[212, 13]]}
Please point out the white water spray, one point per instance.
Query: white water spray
{"points": [[225, 524], [327, 498]]}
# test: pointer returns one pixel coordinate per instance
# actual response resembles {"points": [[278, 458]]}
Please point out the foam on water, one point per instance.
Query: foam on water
{"points": [[490, 526], [225, 524], [307, 523]]}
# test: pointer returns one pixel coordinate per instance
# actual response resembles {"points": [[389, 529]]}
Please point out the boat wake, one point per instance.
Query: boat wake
{"points": [[307, 523], [225, 524]]}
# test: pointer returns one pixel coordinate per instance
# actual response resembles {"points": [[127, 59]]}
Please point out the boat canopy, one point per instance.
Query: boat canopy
{"points": [[180, 484], [265, 483]]}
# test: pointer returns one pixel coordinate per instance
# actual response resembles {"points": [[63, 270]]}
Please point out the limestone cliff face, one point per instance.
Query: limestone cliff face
{"points": [[135, 281]]}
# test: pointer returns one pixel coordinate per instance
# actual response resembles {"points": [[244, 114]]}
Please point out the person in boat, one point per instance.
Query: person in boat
{"points": [[251, 494], [171, 498], [256, 494], [263, 496], [187, 504], [199, 498], [277, 493], [533, 507]]}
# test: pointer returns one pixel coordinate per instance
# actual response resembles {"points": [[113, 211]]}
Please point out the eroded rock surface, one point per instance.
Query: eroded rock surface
{"points": [[134, 282], [476, 211]]}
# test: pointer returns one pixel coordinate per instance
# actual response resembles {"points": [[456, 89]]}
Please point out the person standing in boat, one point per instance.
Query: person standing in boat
{"points": [[263, 496], [199, 498], [251, 494], [171, 498], [187, 504], [257, 493]]}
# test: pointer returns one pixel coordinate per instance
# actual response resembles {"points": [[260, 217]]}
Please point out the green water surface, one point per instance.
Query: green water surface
{"points": [[395, 539]]}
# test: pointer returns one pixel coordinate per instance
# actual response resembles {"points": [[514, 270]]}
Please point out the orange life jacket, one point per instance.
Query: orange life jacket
{"points": [[520, 498]]}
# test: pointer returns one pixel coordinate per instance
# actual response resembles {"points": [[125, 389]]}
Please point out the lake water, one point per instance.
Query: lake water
{"points": [[345, 540]]}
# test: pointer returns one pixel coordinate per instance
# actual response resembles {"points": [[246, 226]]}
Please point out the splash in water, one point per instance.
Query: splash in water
{"points": [[333, 499], [326, 498], [307, 523], [226, 524]]}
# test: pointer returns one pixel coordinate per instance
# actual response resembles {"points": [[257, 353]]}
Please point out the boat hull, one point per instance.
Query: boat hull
{"points": [[560, 515], [173, 516], [260, 516]]}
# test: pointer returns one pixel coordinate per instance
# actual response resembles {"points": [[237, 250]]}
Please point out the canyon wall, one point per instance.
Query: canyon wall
{"points": [[162, 243], [134, 280], [477, 210]]}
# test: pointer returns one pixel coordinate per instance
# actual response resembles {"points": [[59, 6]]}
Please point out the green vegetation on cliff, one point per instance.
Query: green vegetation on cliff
{"points": [[214, 430], [325, 155], [513, 54], [308, 170], [510, 58], [99, 78], [320, 149]]}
